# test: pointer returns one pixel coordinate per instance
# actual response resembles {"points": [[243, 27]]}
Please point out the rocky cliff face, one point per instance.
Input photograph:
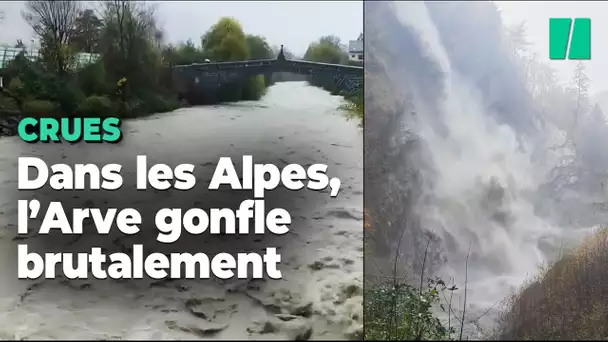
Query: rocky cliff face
{"points": [[406, 83], [396, 71]]}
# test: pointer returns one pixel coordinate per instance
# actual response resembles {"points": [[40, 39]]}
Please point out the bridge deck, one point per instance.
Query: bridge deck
{"points": [[226, 65], [204, 76], [265, 62]]}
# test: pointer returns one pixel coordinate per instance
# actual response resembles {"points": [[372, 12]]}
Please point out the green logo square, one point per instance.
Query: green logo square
{"points": [[570, 37]]}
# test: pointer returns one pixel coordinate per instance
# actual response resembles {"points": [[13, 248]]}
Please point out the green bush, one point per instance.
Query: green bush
{"points": [[402, 312], [134, 107], [69, 95], [158, 103], [8, 104], [16, 88], [254, 89], [92, 79], [354, 106], [95, 106], [39, 108]]}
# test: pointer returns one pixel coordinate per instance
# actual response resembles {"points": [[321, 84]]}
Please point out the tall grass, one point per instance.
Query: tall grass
{"points": [[567, 301], [353, 107], [397, 310]]}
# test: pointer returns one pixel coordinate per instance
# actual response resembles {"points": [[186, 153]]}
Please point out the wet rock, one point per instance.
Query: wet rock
{"points": [[355, 333], [265, 327], [303, 310], [326, 262], [345, 214], [347, 262], [76, 284], [204, 330], [210, 309], [316, 266], [298, 330], [350, 290], [286, 317], [182, 288], [304, 335], [266, 303]]}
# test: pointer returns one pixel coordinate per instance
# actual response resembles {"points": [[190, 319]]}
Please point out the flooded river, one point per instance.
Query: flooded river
{"points": [[319, 296]]}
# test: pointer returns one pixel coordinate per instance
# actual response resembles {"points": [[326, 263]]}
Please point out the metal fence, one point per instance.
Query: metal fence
{"points": [[7, 54]]}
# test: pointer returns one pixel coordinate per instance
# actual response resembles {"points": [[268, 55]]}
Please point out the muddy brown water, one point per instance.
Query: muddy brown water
{"points": [[320, 295]]}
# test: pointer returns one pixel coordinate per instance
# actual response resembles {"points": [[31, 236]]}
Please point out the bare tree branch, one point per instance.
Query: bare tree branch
{"points": [[53, 22]]}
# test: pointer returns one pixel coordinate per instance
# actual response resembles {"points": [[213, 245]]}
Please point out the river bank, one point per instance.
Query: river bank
{"points": [[352, 109]]}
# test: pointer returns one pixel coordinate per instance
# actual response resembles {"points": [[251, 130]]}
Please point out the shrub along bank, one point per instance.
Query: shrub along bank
{"points": [[132, 76]]}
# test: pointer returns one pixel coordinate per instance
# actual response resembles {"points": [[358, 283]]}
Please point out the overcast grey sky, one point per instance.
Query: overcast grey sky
{"points": [[537, 15], [297, 23], [294, 24]]}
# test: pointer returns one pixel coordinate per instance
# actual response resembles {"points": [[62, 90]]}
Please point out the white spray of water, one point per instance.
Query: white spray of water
{"points": [[480, 197]]}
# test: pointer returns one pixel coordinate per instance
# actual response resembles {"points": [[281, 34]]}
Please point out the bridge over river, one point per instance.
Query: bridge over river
{"points": [[195, 79]]}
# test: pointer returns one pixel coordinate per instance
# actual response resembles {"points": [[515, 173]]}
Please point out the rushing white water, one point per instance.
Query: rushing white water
{"points": [[480, 197]]}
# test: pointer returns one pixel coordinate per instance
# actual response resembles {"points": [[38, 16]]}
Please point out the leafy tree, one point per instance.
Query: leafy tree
{"points": [[331, 40], [87, 32], [226, 41], [185, 53], [92, 79], [258, 47], [327, 50], [134, 74]]}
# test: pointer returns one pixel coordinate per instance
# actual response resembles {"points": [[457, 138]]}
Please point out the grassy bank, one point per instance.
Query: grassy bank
{"points": [[568, 300], [354, 107]]}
